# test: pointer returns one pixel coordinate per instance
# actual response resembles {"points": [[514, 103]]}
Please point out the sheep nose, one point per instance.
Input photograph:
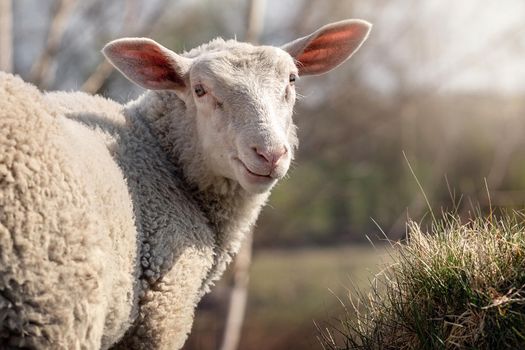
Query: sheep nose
{"points": [[271, 156]]}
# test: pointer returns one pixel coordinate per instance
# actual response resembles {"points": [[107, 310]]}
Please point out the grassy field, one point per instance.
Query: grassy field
{"points": [[455, 284], [289, 289]]}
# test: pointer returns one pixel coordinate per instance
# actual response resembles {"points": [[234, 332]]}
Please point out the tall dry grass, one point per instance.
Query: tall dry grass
{"points": [[455, 285]]}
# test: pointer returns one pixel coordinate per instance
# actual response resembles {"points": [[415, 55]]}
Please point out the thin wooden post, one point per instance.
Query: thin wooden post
{"points": [[57, 28], [6, 35]]}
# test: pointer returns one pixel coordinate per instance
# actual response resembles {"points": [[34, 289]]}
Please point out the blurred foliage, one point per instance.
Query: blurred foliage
{"points": [[350, 168], [289, 289]]}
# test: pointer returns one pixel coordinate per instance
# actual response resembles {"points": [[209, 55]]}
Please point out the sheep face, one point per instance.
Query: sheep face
{"points": [[241, 95], [244, 97]]}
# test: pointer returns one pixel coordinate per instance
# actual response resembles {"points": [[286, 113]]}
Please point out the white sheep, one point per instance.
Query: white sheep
{"points": [[115, 220]]}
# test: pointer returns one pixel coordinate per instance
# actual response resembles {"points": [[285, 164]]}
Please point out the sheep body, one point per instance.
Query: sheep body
{"points": [[116, 219], [107, 161], [54, 262]]}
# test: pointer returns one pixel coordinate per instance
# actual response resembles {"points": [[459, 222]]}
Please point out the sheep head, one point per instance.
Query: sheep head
{"points": [[241, 95]]}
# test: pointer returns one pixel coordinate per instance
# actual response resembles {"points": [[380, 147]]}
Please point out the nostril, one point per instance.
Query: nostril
{"points": [[278, 155], [271, 156], [262, 154]]}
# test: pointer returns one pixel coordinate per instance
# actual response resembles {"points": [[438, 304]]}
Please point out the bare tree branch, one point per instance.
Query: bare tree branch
{"points": [[238, 296], [6, 35], [41, 68], [104, 69], [99, 76], [255, 16]]}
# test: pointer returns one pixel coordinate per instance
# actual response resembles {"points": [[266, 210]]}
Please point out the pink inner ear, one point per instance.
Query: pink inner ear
{"points": [[330, 48], [147, 65], [155, 66]]}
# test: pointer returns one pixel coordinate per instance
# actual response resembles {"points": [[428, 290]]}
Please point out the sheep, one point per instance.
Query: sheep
{"points": [[116, 219]]}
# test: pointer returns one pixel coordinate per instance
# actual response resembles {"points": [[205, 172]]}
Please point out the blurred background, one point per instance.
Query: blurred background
{"points": [[439, 86]]}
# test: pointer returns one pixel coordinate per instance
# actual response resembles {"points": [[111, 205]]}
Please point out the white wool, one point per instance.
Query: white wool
{"points": [[115, 220]]}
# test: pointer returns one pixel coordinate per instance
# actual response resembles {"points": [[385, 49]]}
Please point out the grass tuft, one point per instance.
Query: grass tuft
{"points": [[457, 286]]}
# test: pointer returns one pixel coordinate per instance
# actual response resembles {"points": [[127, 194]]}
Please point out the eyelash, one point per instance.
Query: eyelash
{"points": [[199, 90], [293, 79]]}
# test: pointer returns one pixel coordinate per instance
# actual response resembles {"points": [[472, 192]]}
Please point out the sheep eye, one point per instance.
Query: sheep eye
{"points": [[293, 78], [199, 90]]}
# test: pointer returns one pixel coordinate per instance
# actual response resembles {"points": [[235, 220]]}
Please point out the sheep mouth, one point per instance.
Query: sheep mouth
{"points": [[254, 175]]}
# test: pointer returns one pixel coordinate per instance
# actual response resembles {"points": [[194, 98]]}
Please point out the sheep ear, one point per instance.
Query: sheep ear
{"points": [[148, 64], [328, 47]]}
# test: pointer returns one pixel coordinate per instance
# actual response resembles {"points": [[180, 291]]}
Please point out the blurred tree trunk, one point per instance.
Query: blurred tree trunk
{"points": [[241, 268], [238, 296], [102, 72], [254, 25], [40, 71], [6, 35]]}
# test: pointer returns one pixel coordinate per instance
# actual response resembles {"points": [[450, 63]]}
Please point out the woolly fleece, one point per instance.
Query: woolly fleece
{"points": [[112, 223], [94, 207]]}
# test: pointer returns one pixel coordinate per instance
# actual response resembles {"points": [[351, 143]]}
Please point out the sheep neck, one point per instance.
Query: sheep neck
{"points": [[230, 210]]}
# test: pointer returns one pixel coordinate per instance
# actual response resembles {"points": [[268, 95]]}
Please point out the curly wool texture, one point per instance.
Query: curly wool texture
{"points": [[53, 261], [115, 220], [106, 241]]}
